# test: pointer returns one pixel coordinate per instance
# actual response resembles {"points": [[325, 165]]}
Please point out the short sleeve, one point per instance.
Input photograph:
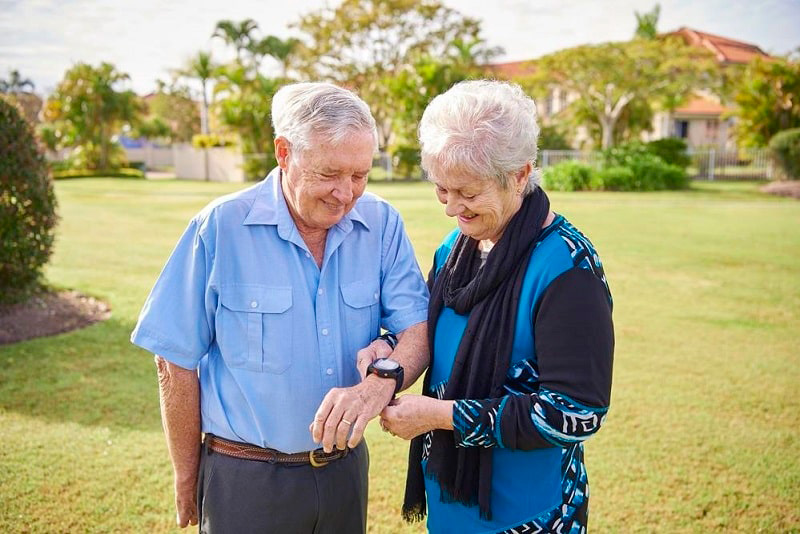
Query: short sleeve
{"points": [[404, 295], [177, 319]]}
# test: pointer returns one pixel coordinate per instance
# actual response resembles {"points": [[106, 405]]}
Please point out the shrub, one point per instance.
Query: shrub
{"points": [[784, 149], [212, 141], [615, 178], [95, 173], [406, 161], [671, 150], [567, 176], [651, 172], [27, 207], [552, 138]]}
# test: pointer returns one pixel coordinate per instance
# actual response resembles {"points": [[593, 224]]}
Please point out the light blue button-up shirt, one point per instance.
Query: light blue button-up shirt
{"points": [[242, 300]]}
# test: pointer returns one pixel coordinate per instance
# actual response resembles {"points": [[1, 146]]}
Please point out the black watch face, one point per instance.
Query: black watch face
{"points": [[386, 364]]}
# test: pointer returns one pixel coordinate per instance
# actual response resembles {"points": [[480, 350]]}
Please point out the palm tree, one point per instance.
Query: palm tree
{"points": [[15, 83], [279, 49], [202, 68], [237, 34], [647, 22]]}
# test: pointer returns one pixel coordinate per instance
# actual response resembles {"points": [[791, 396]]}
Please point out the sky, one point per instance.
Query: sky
{"points": [[147, 38]]}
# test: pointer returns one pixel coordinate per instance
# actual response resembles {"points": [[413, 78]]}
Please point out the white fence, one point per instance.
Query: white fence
{"points": [[152, 156], [710, 164], [215, 164], [742, 164]]}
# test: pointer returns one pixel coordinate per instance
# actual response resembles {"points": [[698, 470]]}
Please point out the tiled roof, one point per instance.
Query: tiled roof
{"points": [[511, 69], [700, 105], [724, 49]]}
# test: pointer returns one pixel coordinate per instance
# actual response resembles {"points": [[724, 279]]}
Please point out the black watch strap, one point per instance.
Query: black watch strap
{"points": [[389, 338]]}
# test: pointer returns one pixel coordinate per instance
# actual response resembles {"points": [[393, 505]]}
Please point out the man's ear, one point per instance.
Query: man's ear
{"points": [[282, 152]]}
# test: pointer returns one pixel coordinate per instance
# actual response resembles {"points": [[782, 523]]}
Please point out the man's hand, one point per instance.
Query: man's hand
{"points": [[375, 350], [186, 502], [346, 411], [411, 415]]}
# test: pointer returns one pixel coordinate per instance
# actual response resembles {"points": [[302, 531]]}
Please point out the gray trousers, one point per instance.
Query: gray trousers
{"points": [[236, 496]]}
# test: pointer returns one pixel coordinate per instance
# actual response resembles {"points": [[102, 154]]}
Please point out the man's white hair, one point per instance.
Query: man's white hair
{"points": [[330, 113], [485, 128]]}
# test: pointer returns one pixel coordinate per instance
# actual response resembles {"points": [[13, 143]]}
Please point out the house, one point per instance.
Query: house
{"points": [[700, 121]]}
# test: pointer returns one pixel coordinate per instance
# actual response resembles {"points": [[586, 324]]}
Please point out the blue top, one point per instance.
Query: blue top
{"points": [[525, 484], [242, 300]]}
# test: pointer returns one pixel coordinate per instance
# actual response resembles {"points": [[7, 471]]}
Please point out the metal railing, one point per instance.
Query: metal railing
{"points": [[707, 164]]}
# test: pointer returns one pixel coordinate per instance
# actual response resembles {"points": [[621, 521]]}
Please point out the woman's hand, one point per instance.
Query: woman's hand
{"points": [[409, 416]]}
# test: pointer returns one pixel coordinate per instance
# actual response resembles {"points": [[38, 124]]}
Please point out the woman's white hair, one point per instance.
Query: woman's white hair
{"points": [[301, 111], [485, 128]]}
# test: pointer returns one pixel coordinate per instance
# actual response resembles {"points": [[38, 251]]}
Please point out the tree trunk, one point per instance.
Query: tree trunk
{"points": [[607, 127]]}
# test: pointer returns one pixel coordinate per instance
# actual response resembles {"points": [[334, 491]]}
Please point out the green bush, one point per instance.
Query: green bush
{"points": [[650, 172], [406, 161], [94, 173], [212, 141], [567, 176], [784, 149], [615, 178], [672, 150], [27, 207]]}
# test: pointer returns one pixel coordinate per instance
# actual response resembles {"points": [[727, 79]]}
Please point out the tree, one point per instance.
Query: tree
{"points": [[610, 77], [173, 104], [201, 67], [647, 23], [237, 34], [15, 83], [363, 43], [27, 207], [767, 99], [281, 50], [19, 90], [88, 107], [246, 111]]}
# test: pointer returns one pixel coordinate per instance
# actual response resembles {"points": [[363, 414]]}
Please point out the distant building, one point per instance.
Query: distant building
{"points": [[700, 121]]}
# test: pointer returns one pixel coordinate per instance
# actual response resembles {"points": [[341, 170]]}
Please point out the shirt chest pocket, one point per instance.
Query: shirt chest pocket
{"points": [[361, 312], [254, 327]]}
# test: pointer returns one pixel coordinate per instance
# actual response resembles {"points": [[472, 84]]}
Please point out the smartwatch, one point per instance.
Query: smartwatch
{"points": [[387, 368]]}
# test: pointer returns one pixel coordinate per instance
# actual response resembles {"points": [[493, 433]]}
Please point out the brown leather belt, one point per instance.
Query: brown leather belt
{"points": [[317, 457]]}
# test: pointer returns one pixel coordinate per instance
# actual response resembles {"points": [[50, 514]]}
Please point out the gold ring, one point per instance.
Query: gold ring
{"points": [[345, 421]]}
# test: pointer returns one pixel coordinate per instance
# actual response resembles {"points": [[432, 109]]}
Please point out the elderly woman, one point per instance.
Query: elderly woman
{"points": [[520, 333]]}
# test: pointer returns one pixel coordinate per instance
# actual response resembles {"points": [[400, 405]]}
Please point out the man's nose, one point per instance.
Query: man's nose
{"points": [[343, 192]]}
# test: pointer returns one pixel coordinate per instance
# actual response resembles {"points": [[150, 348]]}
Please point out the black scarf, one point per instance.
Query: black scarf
{"points": [[490, 295]]}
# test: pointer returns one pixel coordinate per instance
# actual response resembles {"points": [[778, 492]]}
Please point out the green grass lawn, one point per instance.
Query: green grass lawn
{"points": [[703, 431]]}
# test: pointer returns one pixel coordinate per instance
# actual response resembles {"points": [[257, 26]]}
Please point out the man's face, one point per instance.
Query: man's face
{"points": [[323, 183]]}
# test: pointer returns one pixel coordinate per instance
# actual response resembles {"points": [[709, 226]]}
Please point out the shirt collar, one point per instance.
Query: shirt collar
{"points": [[269, 207]]}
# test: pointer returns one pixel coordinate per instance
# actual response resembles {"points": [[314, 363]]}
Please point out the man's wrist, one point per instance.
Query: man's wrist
{"points": [[389, 338], [382, 385]]}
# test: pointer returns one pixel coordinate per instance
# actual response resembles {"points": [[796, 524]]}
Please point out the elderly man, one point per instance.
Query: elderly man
{"points": [[257, 320]]}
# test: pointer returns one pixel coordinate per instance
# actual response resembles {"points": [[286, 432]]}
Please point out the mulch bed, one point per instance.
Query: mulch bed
{"points": [[788, 188], [49, 313]]}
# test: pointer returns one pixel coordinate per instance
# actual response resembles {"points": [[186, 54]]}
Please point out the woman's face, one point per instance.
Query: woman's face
{"points": [[481, 207]]}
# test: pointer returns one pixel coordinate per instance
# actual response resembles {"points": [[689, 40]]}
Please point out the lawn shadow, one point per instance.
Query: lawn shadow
{"points": [[93, 376]]}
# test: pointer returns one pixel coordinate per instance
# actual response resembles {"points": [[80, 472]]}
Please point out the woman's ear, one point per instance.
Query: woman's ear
{"points": [[521, 177]]}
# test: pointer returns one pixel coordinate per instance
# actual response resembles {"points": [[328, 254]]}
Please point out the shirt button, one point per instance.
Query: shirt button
{"points": [[376, 296], [324, 331], [320, 291], [308, 255], [254, 304], [329, 371]]}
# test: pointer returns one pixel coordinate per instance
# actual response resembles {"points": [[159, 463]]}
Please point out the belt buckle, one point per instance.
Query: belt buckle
{"points": [[314, 462]]}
